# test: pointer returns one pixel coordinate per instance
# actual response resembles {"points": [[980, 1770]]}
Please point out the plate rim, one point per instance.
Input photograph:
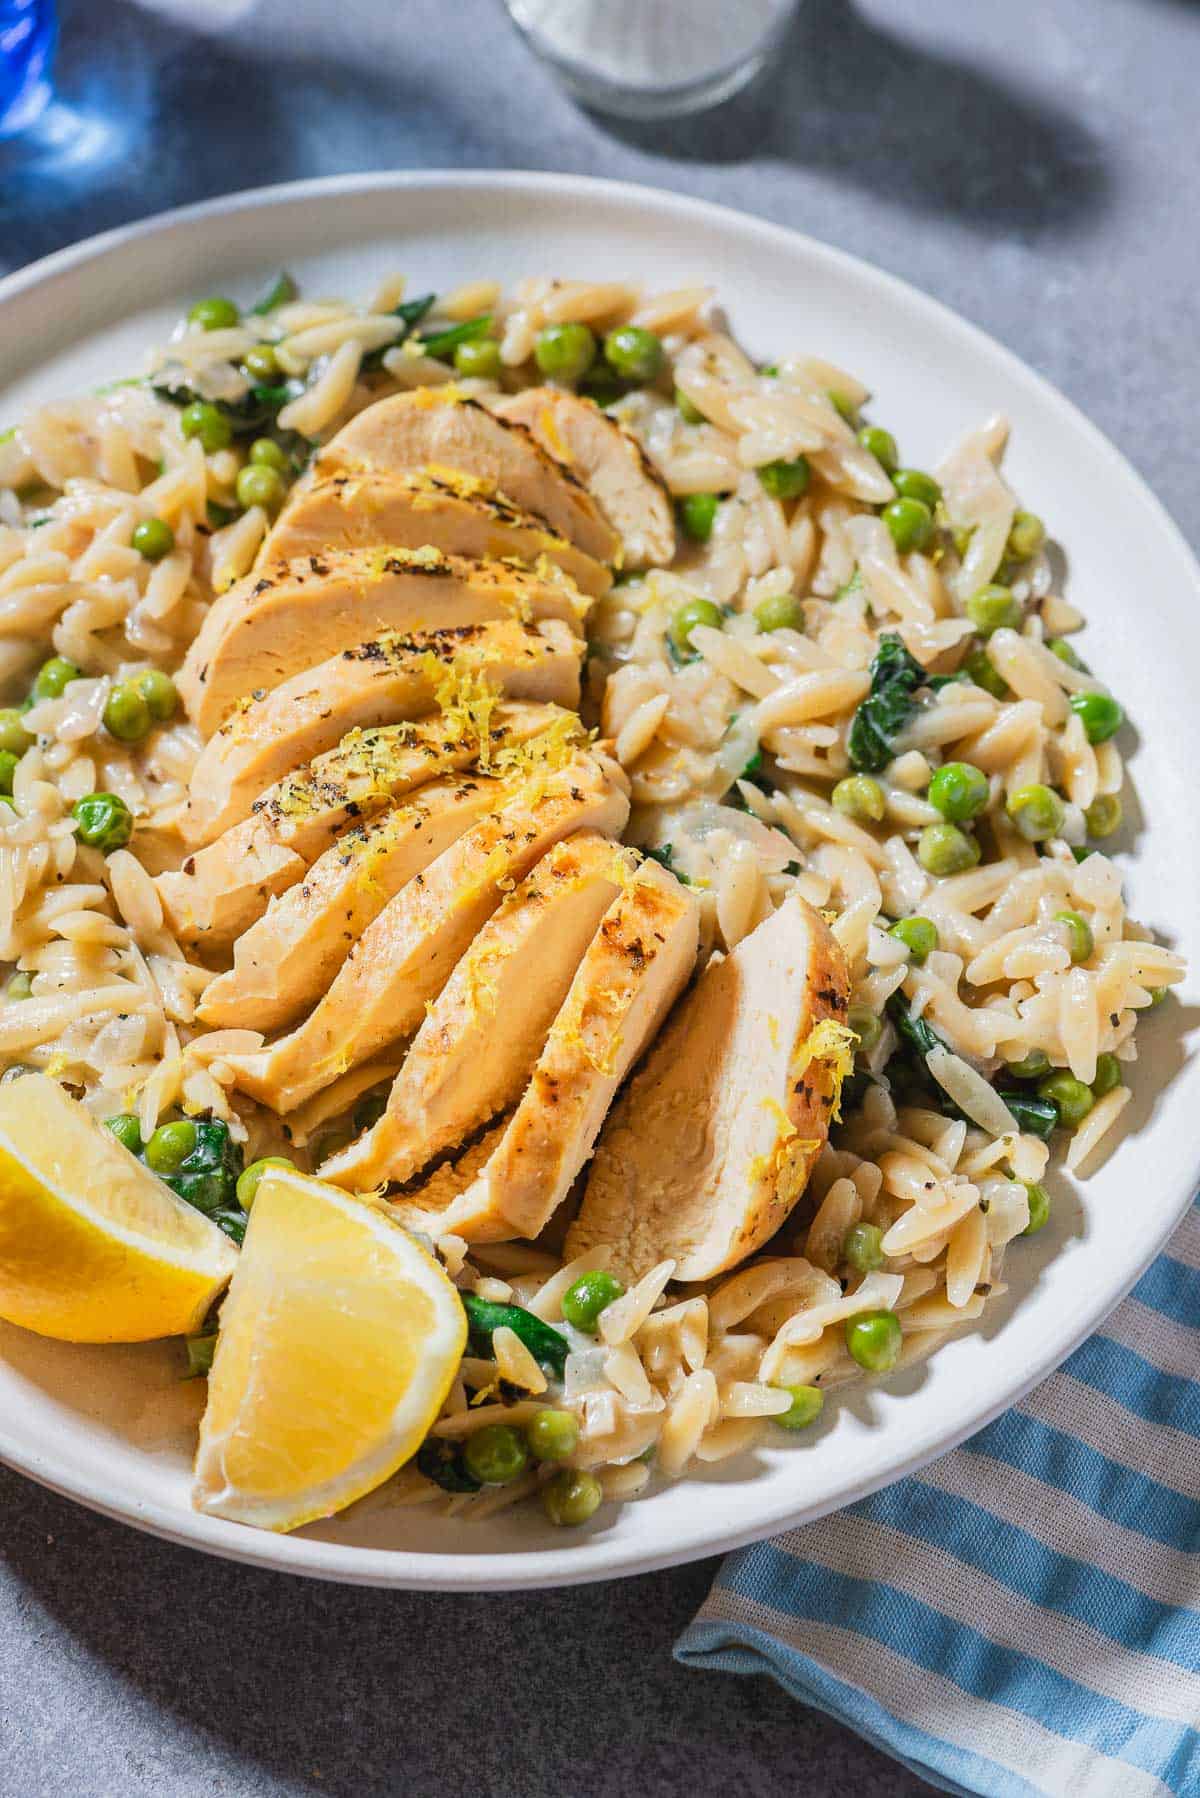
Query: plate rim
{"points": [[596, 1559]]}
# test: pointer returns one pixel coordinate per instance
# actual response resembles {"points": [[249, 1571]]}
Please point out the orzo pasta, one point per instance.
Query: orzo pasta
{"points": [[822, 685]]}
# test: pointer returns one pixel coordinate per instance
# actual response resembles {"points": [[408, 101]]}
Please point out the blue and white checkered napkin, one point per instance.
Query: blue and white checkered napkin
{"points": [[1024, 1616]]}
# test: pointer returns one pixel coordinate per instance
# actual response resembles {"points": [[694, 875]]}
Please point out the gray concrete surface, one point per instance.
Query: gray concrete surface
{"points": [[1031, 162]]}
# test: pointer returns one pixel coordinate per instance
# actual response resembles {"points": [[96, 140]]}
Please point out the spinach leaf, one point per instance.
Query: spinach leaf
{"points": [[895, 677], [1037, 1116], [665, 857], [256, 408], [442, 1462], [208, 1177], [413, 311], [444, 343], [548, 1347], [282, 290]]}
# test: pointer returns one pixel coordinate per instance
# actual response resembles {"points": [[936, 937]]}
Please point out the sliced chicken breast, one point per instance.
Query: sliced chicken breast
{"points": [[634, 969], [474, 1053], [713, 1142], [437, 428], [406, 956], [285, 961], [410, 508], [221, 890], [609, 461], [277, 623], [379, 682]]}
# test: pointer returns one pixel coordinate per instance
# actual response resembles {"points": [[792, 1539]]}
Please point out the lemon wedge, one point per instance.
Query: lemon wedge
{"points": [[93, 1248], [338, 1342]]}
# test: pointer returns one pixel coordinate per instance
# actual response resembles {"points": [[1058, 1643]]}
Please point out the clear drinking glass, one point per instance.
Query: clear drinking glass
{"points": [[27, 31], [653, 59]]}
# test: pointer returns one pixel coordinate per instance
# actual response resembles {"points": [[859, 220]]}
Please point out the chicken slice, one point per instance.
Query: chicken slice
{"points": [[380, 682], [287, 617], [473, 1055], [406, 956], [285, 961], [437, 428], [410, 508], [609, 461], [714, 1140], [633, 971], [221, 890]]}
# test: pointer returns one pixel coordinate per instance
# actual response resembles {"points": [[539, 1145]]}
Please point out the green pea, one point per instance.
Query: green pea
{"points": [[994, 608], [170, 1146], [261, 362], [1104, 815], [266, 453], [571, 1497], [874, 1338], [159, 692], [959, 790], [1108, 1075], [697, 515], [842, 404], [565, 351], [1037, 811], [1031, 1066], [249, 1178], [983, 674], [866, 1025], [103, 821], [125, 1128], [1158, 996], [204, 422], [805, 1408], [259, 486], [20, 986], [634, 354], [914, 483], [690, 413], [1039, 1207], [685, 620], [786, 480], [1026, 536], [1073, 1099], [880, 444], [478, 359], [910, 522], [588, 1296], [126, 714], [945, 849], [862, 1248], [13, 736], [215, 314], [8, 768], [53, 677], [496, 1454], [860, 797], [1079, 933], [552, 1435], [1100, 713], [153, 539], [919, 936], [779, 612], [1058, 646]]}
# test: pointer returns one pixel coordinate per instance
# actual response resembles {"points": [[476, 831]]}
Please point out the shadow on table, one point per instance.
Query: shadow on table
{"points": [[343, 1690], [916, 128]]}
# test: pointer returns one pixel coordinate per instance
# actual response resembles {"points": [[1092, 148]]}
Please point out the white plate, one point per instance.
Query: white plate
{"points": [[112, 1427]]}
